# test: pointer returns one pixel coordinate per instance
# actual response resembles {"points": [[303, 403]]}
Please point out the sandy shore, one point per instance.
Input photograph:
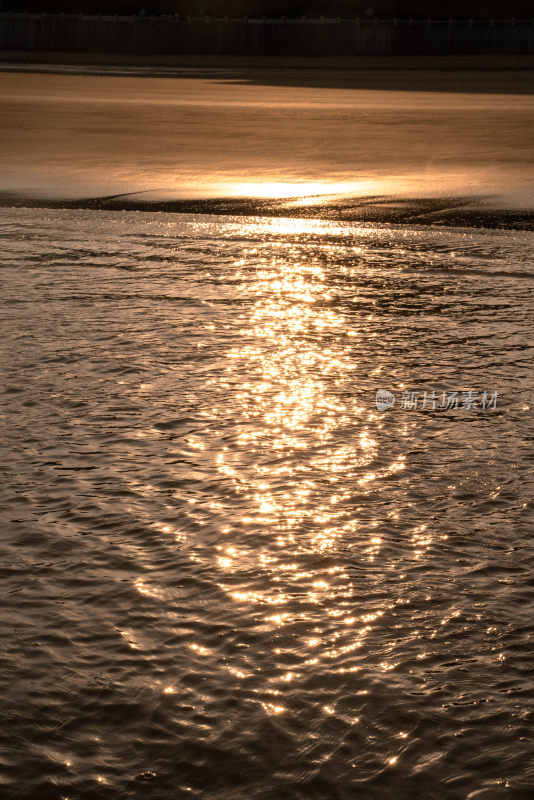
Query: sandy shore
{"points": [[451, 212], [231, 129]]}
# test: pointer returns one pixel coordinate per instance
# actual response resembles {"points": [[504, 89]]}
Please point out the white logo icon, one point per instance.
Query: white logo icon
{"points": [[384, 400]]}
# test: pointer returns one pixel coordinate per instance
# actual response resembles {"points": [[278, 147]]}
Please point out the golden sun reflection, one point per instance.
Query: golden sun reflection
{"points": [[303, 463], [202, 651], [271, 708], [299, 189]]}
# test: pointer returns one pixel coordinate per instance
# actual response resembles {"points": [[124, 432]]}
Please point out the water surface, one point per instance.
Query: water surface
{"points": [[226, 574]]}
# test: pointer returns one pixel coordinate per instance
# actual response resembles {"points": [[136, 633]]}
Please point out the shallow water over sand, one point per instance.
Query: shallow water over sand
{"points": [[270, 133], [227, 574]]}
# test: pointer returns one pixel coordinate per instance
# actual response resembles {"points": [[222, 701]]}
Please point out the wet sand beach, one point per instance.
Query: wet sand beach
{"points": [[228, 129]]}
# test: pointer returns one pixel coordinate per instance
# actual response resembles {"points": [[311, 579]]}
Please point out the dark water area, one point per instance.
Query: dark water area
{"points": [[226, 573]]}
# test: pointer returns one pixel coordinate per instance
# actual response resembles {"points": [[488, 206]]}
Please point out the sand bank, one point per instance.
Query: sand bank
{"points": [[213, 132]]}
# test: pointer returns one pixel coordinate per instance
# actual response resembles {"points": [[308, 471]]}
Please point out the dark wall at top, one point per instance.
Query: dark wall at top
{"points": [[478, 9], [146, 36]]}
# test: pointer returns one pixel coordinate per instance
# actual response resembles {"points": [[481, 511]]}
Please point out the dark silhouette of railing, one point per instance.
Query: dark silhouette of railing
{"points": [[263, 36]]}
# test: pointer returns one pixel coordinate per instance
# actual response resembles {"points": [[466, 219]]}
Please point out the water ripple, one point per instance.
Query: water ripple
{"points": [[226, 574]]}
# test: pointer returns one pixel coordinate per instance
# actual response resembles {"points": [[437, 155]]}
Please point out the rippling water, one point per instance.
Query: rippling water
{"points": [[226, 574]]}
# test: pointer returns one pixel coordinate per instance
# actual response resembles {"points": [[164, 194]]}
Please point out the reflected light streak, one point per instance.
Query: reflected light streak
{"points": [[299, 189], [271, 708], [303, 448]]}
